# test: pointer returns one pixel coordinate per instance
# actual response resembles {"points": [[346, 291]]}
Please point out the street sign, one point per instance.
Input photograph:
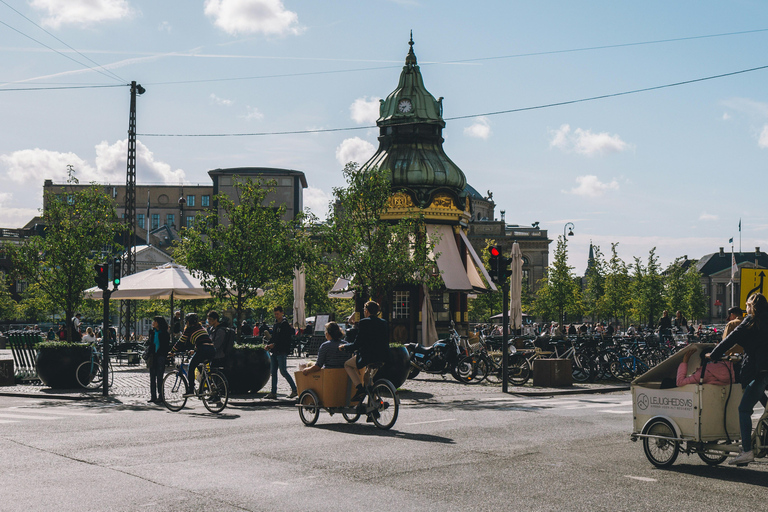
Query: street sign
{"points": [[752, 280]]}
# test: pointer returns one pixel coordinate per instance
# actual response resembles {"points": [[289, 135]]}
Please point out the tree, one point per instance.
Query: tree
{"points": [[242, 245], [695, 298], [79, 227], [559, 292], [617, 299], [647, 286], [674, 291], [377, 254], [485, 305], [594, 289]]}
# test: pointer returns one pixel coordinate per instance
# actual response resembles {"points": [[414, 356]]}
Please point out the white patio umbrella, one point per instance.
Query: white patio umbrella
{"points": [[299, 289], [516, 289]]}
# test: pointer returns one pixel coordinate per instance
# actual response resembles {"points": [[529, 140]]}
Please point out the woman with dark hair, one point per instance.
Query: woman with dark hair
{"points": [[752, 336], [196, 334], [158, 344], [328, 355]]}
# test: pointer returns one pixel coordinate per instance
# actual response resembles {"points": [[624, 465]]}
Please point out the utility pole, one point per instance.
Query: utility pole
{"points": [[129, 263]]}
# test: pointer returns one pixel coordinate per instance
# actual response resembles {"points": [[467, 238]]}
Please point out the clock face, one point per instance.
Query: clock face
{"points": [[405, 106]]}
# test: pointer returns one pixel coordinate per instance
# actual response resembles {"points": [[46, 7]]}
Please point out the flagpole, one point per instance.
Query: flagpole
{"points": [[733, 275], [739, 235]]}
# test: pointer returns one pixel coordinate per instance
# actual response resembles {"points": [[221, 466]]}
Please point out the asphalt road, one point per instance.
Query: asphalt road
{"points": [[495, 453]]}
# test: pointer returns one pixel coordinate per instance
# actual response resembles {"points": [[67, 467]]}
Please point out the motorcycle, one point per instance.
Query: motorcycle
{"points": [[445, 356]]}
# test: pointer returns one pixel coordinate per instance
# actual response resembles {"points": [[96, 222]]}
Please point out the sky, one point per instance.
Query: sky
{"points": [[674, 167]]}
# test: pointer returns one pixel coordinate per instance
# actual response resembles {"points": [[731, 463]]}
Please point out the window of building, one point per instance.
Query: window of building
{"points": [[190, 200], [170, 219], [205, 201], [140, 220], [155, 220], [401, 305], [720, 288], [21, 286], [190, 221]]}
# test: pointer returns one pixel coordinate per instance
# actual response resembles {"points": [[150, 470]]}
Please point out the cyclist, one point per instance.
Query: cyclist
{"points": [[752, 335], [371, 345], [196, 334]]}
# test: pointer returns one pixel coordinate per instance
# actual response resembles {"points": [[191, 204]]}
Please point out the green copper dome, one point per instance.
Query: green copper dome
{"points": [[411, 143]]}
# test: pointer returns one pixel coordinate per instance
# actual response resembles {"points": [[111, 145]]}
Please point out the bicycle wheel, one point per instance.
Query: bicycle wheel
{"points": [[581, 368], [309, 407], [89, 375], [621, 369], [464, 370], [174, 387], [760, 437], [519, 370], [351, 418], [387, 404], [215, 393], [660, 452], [712, 459]]}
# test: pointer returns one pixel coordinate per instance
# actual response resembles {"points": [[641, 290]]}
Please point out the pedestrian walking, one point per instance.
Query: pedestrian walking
{"points": [[279, 346]]}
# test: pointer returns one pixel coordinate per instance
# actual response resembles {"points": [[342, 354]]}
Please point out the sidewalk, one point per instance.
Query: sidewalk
{"points": [[131, 386]]}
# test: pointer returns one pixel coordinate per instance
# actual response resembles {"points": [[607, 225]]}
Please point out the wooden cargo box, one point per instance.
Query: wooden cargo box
{"points": [[332, 385]]}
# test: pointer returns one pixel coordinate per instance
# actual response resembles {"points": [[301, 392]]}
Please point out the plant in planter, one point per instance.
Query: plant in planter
{"points": [[57, 363], [397, 368], [247, 368]]}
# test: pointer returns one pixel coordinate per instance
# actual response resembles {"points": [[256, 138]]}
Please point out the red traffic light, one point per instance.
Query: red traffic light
{"points": [[495, 251]]}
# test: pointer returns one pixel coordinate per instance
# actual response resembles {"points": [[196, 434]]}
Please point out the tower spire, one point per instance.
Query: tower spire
{"points": [[410, 60]]}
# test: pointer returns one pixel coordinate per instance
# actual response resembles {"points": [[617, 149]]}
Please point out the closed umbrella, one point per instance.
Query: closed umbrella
{"points": [[299, 290], [516, 289], [428, 329]]}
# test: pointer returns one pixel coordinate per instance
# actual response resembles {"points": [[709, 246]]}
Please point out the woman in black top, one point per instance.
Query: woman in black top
{"points": [[158, 345], [752, 336], [196, 334]]}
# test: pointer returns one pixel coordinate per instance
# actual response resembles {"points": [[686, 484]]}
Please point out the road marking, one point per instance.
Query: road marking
{"points": [[57, 412], [617, 412], [641, 478], [433, 421], [595, 405], [25, 417], [8, 421]]}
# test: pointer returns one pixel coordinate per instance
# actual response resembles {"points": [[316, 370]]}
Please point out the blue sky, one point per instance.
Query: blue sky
{"points": [[673, 168]]}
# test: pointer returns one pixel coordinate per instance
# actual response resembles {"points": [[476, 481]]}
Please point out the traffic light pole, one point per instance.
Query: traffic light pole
{"points": [[505, 337], [105, 333]]}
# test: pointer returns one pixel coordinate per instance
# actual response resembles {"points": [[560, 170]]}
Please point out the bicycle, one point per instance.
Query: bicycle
{"points": [[89, 373], [212, 387]]}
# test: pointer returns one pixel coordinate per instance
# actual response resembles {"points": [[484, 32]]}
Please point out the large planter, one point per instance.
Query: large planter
{"points": [[247, 370], [56, 366], [397, 368]]}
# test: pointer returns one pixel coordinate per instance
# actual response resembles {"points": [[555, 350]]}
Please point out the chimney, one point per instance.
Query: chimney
{"points": [[503, 212], [722, 253], [757, 251]]}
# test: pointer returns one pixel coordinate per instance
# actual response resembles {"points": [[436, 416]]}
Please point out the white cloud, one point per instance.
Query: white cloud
{"points": [[590, 186], [584, 142], [165, 27], [268, 17], [364, 110], [317, 201], [763, 140], [82, 12], [253, 114], [354, 150], [221, 101], [747, 106], [726, 116], [481, 129], [35, 165], [708, 216]]}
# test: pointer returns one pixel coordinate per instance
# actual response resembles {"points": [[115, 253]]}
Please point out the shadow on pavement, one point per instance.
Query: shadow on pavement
{"points": [[370, 430], [746, 475]]}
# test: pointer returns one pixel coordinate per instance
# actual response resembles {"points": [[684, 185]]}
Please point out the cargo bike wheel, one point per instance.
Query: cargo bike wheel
{"points": [[661, 452], [386, 403], [309, 407]]}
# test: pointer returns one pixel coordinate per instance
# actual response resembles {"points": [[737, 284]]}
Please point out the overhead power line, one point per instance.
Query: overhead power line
{"points": [[53, 88], [487, 114]]}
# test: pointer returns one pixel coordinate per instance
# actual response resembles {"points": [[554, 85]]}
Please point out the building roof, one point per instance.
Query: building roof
{"points": [[245, 171], [717, 262]]}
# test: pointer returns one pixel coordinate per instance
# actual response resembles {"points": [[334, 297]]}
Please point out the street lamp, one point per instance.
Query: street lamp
{"points": [[570, 229], [182, 202]]}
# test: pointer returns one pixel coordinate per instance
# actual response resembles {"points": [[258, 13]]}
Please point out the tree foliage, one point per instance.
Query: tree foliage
{"points": [[617, 301], [485, 305], [559, 291], [647, 288], [243, 244], [80, 226], [594, 289], [377, 254]]}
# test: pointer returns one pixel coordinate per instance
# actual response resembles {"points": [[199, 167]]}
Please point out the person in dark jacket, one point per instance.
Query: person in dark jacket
{"points": [[279, 346], [217, 331], [752, 335], [196, 334], [371, 345], [158, 343]]}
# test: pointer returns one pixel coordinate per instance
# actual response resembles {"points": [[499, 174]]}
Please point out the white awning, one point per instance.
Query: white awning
{"points": [[449, 259], [478, 262]]}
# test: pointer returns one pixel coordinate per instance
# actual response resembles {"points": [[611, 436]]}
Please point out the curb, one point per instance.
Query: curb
{"points": [[560, 392]]}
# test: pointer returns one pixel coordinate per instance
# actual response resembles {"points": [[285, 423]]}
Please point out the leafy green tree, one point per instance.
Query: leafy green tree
{"points": [[695, 299], [485, 305], [559, 291], [79, 226], [377, 254], [616, 302], [647, 288], [674, 286], [594, 290], [243, 245]]}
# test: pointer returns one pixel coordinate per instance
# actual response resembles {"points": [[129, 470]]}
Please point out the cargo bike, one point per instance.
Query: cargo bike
{"points": [[695, 418], [331, 389]]}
